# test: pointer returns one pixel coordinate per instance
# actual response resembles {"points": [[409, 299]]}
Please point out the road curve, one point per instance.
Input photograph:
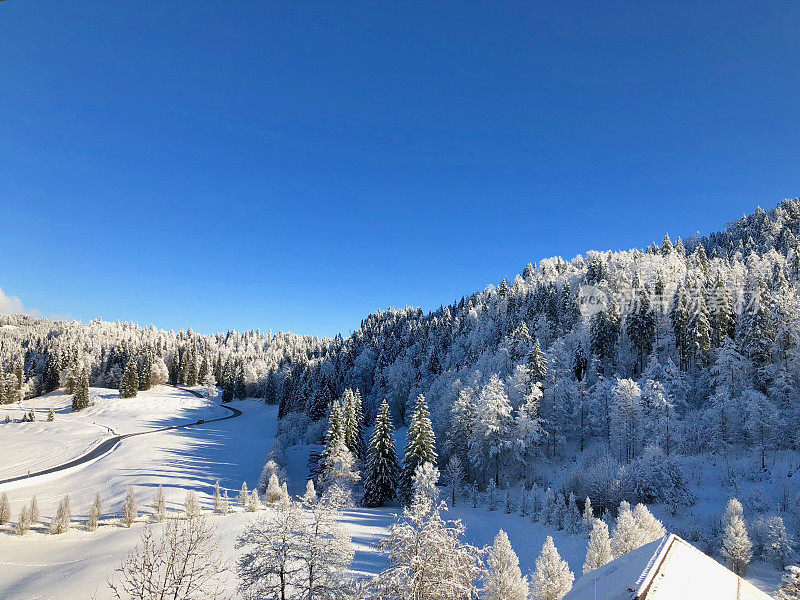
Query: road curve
{"points": [[107, 445]]}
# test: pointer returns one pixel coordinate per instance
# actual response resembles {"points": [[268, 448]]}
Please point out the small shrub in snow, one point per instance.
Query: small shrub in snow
{"points": [[217, 498], [243, 495], [51, 415], [95, 512], [191, 505], [61, 521], [160, 505], [274, 492], [33, 511], [130, 509], [5, 509], [254, 502]]}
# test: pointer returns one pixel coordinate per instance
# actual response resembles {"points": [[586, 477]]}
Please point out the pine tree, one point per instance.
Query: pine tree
{"points": [[191, 505], [130, 380], [382, 470], [598, 552], [537, 363], [34, 511], [146, 374], [588, 514], [191, 369], [420, 447], [80, 390], [551, 579], [736, 547], [274, 493], [641, 326], [24, 522], [354, 424], [780, 545], [504, 580], [130, 509], [626, 533], [51, 416]]}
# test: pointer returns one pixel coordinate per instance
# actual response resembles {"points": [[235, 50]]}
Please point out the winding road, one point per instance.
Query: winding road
{"points": [[107, 445]]}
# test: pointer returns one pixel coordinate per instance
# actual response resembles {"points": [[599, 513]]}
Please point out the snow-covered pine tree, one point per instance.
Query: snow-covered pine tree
{"points": [[425, 480], [536, 363], [626, 535], [129, 384], [354, 423], [780, 546], [598, 552], [504, 580], [551, 579], [493, 430], [736, 547], [588, 514], [130, 508], [310, 497], [420, 447], [381, 471]]}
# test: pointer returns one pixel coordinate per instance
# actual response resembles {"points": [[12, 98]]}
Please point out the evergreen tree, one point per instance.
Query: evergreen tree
{"points": [[641, 326], [146, 374], [420, 447], [130, 380], [130, 508], [504, 580], [80, 396], [354, 424], [598, 552], [537, 363], [736, 547], [382, 470], [95, 512], [551, 579], [191, 369]]}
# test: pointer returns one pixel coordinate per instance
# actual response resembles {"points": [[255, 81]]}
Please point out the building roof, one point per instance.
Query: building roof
{"points": [[669, 568]]}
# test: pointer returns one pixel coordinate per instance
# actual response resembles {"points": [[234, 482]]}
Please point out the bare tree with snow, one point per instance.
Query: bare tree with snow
{"points": [[180, 562]]}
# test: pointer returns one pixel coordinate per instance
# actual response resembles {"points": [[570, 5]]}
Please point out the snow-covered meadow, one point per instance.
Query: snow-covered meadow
{"points": [[76, 564]]}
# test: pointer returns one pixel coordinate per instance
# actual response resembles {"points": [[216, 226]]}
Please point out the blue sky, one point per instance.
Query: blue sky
{"points": [[295, 166]]}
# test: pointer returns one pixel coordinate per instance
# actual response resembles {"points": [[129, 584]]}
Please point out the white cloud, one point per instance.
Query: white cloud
{"points": [[13, 305]]}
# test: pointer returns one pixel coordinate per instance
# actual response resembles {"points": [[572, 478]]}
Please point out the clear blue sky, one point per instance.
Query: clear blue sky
{"points": [[257, 164]]}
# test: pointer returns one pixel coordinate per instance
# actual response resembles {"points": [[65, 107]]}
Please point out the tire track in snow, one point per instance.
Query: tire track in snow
{"points": [[108, 445]]}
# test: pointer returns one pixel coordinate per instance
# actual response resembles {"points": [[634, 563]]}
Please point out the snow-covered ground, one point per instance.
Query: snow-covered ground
{"points": [[76, 564]]}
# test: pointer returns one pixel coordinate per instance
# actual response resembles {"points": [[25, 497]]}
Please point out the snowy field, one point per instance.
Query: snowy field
{"points": [[76, 564]]}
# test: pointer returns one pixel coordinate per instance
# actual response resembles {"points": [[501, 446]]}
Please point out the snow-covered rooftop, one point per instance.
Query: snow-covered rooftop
{"points": [[667, 569]]}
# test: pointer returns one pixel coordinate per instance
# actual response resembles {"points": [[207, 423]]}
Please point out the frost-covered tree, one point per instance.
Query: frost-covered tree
{"points": [[338, 471], [762, 421], [243, 495], [130, 509], [790, 584], [159, 505], [598, 552], [427, 558], [80, 391], [551, 579], [61, 522], [34, 511], [504, 580], [95, 512], [381, 470], [780, 546], [493, 430], [425, 480], [454, 475], [180, 560], [588, 514], [650, 528], [191, 505], [420, 447], [625, 417], [24, 522], [5, 509], [736, 546], [627, 535], [254, 502], [217, 498], [310, 496]]}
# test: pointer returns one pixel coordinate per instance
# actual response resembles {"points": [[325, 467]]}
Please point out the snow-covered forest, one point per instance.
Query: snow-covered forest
{"points": [[614, 376]]}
